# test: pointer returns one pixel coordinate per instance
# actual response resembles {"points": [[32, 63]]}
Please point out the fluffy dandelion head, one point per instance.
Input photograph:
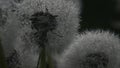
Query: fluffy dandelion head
{"points": [[65, 15], [67, 20], [95, 49]]}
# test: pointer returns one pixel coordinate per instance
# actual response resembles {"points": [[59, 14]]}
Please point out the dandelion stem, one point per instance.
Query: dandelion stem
{"points": [[42, 63], [2, 57], [42, 59]]}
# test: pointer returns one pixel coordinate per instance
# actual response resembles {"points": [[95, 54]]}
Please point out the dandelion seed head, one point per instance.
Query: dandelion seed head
{"points": [[67, 25], [67, 19], [95, 49]]}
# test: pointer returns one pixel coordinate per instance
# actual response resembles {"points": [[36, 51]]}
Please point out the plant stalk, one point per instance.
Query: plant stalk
{"points": [[2, 57]]}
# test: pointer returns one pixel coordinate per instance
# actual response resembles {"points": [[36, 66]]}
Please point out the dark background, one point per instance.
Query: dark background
{"points": [[100, 14]]}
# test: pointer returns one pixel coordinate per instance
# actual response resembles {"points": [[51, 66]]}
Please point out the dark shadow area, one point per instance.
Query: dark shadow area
{"points": [[99, 14], [96, 60]]}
